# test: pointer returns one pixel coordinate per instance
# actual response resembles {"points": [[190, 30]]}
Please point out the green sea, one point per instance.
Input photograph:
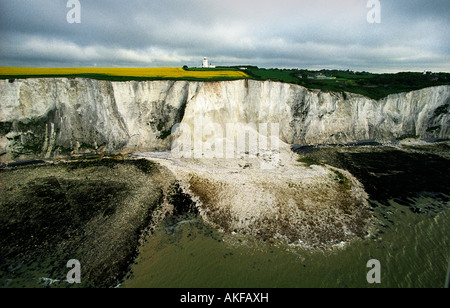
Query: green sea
{"points": [[413, 253]]}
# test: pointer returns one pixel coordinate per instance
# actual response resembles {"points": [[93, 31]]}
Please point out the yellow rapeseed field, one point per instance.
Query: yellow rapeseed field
{"points": [[157, 72]]}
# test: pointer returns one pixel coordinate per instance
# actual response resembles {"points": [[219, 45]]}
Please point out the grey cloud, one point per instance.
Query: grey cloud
{"points": [[413, 35]]}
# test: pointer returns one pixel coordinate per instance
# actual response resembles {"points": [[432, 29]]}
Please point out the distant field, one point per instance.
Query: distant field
{"points": [[121, 73]]}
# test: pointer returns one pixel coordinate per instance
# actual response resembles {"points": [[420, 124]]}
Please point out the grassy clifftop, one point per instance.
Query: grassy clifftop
{"points": [[372, 85]]}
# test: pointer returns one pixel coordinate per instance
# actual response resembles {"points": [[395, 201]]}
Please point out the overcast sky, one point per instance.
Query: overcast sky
{"points": [[414, 35]]}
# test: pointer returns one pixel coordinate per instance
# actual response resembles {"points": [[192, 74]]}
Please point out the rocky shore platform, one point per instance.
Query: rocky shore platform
{"points": [[95, 212]]}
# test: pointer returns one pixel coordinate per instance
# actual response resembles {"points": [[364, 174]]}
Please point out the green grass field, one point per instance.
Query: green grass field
{"points": [[375, 86]]}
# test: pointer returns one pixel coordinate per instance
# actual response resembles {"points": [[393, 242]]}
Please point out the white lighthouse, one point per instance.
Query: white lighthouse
{"points": [[206, 64]]}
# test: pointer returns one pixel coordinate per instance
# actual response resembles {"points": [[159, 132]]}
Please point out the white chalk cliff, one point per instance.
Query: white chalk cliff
{"points": [[44, 117], [316, 206]]}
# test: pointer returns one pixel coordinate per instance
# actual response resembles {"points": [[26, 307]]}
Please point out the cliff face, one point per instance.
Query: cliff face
{"points": [[314, 117], [47, 117]]}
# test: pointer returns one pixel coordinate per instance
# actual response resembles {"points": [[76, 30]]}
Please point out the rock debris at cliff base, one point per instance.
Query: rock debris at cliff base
{"points": [[315, 206]]}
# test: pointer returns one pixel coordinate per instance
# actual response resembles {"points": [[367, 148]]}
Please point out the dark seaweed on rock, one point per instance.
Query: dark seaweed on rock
{"points": [[389, 173], [94, 212]]}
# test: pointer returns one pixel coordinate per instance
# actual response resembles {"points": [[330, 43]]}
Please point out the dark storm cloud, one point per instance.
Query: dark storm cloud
{"points": [[412, 35]]}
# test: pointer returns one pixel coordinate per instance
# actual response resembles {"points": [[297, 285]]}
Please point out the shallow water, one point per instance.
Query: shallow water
{"points": [[411, 242], [413, 252]]}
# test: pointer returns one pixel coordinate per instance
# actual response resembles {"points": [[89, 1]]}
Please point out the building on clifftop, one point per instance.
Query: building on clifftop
{"points": [[206, 64]]}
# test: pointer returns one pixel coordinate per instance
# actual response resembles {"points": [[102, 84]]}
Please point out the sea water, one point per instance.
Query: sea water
{"points": [[413, 251]]}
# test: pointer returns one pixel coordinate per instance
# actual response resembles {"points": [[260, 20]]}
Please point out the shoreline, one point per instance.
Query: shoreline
{"points": [[226, 183]]}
